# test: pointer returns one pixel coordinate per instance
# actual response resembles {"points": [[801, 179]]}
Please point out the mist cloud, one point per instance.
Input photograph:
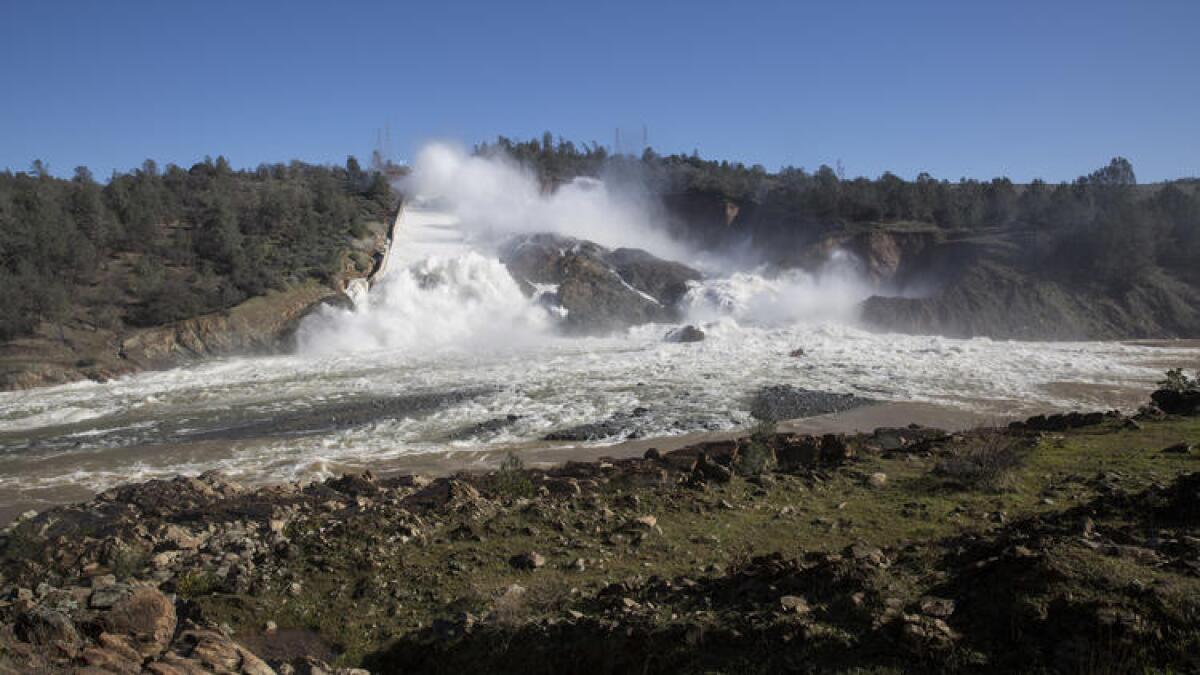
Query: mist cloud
{"points": [[495, 197]]}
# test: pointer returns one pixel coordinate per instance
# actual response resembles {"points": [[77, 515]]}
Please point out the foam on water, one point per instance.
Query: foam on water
{"points": [[136, 427], [449, 318], [467, 301]]}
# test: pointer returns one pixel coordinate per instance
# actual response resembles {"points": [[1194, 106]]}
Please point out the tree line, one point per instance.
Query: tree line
{"points": [[1102, 225], [154, 245]]}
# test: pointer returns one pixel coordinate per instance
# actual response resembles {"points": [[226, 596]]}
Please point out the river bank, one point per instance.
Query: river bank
{"points": [[878, 550]]}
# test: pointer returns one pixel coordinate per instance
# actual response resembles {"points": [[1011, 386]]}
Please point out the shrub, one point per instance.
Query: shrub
{"points": [[1178, 381], [511, 481], [757, 457], [988, 462], [195, 584]]}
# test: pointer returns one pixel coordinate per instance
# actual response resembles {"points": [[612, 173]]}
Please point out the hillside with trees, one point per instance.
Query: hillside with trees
{"points": [[152, 246], [1102, 239]]}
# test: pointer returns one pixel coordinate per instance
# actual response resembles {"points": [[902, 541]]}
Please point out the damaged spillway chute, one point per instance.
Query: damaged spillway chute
{"points": [[420, 230]]}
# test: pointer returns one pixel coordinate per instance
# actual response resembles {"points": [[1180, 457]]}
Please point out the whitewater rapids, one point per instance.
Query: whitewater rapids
{"points": [[447, 342]]}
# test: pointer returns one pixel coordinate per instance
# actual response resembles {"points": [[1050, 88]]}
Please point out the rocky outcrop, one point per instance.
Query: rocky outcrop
{"points": [[601, 289], [257, 325], [57, 354], [999, 301]]}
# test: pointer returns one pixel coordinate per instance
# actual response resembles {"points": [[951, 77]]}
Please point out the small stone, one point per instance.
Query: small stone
{"points": [[579, 565], [295, 588], [877, 480], [726, 505], [527, 561], [103, 581], [629, 603], [794, 604], [645, 522], [1183, 448], [106, 597], [270, 627], [937, 607]]}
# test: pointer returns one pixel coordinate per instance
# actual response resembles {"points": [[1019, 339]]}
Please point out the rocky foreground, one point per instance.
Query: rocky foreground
{"points": [[1068, 543]]}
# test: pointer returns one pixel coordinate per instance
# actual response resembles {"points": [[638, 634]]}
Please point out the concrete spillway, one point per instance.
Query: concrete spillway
{"points": [[421, 230]]}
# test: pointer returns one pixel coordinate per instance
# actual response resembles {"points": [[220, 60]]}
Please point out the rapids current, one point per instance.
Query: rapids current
{"points": [[446, 353]]}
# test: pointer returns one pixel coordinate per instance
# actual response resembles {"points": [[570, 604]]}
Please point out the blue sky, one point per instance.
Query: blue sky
{"points": [[1026, 89]]}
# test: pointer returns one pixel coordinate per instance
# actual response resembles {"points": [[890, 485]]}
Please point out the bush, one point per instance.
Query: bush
{"points": [[1179, 382], [757, 458], [195, 584], [988, 462], [511, 481]]}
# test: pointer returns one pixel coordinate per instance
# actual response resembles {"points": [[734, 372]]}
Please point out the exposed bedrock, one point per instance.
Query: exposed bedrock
{"points": [[601, 289]]}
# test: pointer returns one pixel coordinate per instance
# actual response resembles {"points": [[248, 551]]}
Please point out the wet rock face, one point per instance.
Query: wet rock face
{"points": [[600, 289], [784, 402], [687, 333]]}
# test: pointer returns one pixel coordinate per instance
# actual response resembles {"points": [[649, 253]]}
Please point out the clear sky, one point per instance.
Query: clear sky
{"points": [[1046, 89]]}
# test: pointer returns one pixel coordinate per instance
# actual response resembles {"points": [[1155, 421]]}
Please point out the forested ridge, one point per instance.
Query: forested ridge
{"points": [[1101, 227], [154, 245]]}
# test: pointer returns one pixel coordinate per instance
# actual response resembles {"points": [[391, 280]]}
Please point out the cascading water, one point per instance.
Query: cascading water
{"points": [[782, 297], [445, 352], [468, 301]]}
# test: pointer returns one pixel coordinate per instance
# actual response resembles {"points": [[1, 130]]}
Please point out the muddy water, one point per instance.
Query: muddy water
{"points": [[306, 417]]}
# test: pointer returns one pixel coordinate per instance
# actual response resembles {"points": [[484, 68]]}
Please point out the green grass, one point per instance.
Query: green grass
{"points": [[370, 589]]}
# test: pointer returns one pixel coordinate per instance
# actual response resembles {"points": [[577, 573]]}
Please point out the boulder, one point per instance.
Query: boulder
{"points": [[600, 289], [147, 617], [199, 650], [1175, 402], [688, 333], [1182, 448], [45, 627]]}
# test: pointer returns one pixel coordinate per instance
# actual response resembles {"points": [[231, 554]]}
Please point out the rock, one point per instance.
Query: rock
{"points": [[937, 607], [111, 661], [1182, 448], [600, 289], [106, 597], [644, 523], [922, 634], [794, 604], [270, 627], [688, 333], [46, 627], [147, 616], [181, 538], [868, 554], [527, 561], [652, 454], [1174, 402], [202, 650], [796, 353], [877, 479], [624, 424], [707, 469], [785, 402]]}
